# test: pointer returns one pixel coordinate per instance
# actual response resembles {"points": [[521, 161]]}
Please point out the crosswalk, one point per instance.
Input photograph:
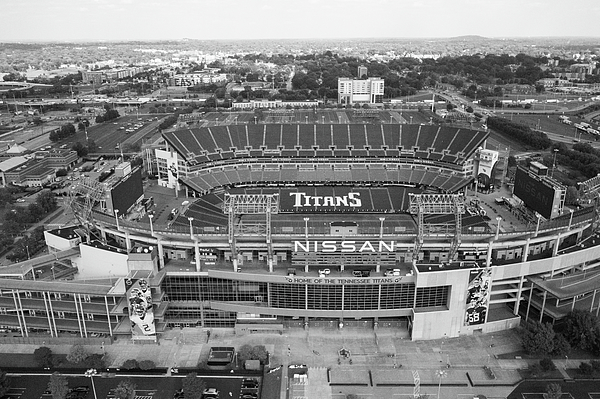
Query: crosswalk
{"points": [[139, 394]]}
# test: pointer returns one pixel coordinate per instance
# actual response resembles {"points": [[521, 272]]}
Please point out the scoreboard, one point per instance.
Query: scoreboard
{"points": [[538, 193]]}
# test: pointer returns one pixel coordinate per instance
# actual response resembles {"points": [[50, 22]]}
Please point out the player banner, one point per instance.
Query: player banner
{"points": [[141, 313], [478, 296]]}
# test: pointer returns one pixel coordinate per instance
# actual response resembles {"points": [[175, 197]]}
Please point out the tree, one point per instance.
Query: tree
{"points": [[92, 146], [258, 352], [571, 196], [130, 364], [77, 354], [561, 345], [553, 391], [95, 361], [47, 201], [547, 364], [58, 385], [245, 353], [43, 356], [147, 365], [538, 338], [582, 330], [81, 150], [210, 102], [125, 390], [36, 212], [193, 386], [4, 383], [586, 368]]}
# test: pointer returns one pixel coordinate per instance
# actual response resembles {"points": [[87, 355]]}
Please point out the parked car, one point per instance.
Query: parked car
{"points": [[210, 393], [249, 383]]}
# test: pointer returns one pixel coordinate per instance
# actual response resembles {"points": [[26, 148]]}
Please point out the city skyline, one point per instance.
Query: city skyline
{"points": [[122, 20]]}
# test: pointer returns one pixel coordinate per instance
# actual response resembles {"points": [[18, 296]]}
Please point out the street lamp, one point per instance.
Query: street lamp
{"points": [[151, 226], [117, 218], [91, 373], [498, 219], [306, 227], [191, 219], [441, 374], [381, 219], [27, 247], [570, 219], [554, 162]]}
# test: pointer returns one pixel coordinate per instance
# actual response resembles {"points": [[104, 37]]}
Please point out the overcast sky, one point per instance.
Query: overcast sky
{"points": [[48, 20]]}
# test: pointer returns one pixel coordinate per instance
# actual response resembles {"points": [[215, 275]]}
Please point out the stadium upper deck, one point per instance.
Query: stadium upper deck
{"points": [[428, 142]]}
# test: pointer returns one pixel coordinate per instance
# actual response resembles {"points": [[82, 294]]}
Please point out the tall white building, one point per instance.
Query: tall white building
{"points": [[366, 91]]}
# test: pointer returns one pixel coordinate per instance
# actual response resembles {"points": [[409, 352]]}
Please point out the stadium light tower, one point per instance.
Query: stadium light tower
{"points": [[537, 227], [306, 227], [91, 373], [151, 226], [117, 218], [381, 219], [441, 374], [498, 219], [570, 219], [554, 162], [191, 219]]}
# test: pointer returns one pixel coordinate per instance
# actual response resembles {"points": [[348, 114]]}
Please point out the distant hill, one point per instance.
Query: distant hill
{"points": [[468, 38]]}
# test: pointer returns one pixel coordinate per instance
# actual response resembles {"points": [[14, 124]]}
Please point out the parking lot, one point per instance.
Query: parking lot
{"points": [[110, 136], [156, 387]]}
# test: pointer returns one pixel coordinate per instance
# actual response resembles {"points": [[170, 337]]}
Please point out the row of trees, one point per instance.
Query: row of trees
{"points": [[78, 355], [318, 73], [520, 132], [64, 132], [59, 387], [582, 157], [581, 331], [17, 219], [109, 115]]}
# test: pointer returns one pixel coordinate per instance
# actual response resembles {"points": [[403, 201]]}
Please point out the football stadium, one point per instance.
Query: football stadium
{"points": [[317, 226]]}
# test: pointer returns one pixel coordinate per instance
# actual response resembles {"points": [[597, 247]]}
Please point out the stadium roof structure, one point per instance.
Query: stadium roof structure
{"points": [[566, 287]]}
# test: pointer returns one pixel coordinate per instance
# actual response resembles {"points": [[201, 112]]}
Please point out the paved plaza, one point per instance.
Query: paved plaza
{"points": [[382, 363]]}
